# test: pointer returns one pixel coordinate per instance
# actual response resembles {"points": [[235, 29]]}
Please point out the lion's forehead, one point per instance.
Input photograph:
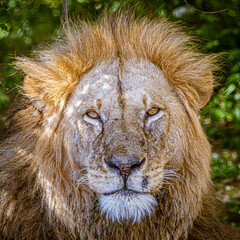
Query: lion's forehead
{"points": [[99, 83], [136, 83], [143, 82]]}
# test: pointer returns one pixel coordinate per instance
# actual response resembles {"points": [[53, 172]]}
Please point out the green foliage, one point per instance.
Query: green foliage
{"points": [[24, 24], [225, 173]]}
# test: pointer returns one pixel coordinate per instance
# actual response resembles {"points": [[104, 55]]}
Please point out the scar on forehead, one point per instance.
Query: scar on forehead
{"points": [[99, 104], [145, 100]]}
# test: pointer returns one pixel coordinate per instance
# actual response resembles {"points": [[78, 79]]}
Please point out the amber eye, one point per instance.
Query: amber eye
{"points": [[152, 111], [92, 114]]}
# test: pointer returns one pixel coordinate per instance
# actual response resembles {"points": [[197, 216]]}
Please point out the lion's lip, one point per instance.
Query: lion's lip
{"points": [[123, 192]]}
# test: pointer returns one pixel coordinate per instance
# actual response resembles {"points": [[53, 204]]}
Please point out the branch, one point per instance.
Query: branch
{"points": [[204, 11], [16, 13], [148, 4], [1, 3], [65, 13], [3, 78], [64, 18]]}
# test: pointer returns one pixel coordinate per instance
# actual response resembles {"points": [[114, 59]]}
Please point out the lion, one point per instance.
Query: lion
{"points": [[107, 143]]}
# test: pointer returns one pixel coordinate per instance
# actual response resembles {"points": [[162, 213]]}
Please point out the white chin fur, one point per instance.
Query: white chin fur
{"points": [[120, 207]]}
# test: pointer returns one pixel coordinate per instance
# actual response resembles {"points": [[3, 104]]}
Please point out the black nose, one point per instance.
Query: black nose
{"points": [[124, 168]]}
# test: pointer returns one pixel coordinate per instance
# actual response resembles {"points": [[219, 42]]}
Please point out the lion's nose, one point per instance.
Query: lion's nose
{"points": [[124, 168]]}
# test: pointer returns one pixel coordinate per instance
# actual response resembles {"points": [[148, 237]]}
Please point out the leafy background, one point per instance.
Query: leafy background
{"points": [[26, 24]]}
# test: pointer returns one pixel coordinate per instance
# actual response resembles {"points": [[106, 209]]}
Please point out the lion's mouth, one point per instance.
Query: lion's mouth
{"points": [[125, 204], [123, 192]]}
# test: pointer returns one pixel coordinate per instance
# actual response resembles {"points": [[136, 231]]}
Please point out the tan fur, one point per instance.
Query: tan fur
{"points": [[39, 196]]}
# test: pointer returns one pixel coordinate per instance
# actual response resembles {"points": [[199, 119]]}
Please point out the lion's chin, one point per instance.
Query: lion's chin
{"points": [[124, 206]]}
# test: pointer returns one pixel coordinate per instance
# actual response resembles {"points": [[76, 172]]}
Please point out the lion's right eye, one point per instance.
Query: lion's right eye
{"points": [[93, 114], [153, 111], [154, 114]]}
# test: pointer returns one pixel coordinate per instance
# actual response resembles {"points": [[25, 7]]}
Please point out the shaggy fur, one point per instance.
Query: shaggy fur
{"points": [[40, 198]]}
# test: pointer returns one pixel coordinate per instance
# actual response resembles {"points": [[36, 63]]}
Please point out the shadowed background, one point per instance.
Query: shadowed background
{"points": [[26, 25]]}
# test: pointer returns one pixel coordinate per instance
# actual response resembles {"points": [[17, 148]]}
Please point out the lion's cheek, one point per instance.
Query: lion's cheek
{"points": [[87, 132], [149, 182]]}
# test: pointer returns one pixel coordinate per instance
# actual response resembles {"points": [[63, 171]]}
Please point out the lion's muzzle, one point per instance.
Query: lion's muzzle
{"points": [[125, 165]]}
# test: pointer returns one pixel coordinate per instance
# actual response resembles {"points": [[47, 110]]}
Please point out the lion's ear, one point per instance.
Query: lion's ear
{"points": [[205, 92], [33, 92], [47, 89], [48, 82], [205, 98], [196, 93], [31, 88]]}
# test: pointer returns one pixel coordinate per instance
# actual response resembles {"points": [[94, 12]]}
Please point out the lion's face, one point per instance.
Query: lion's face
{"points": [[121, 118]]}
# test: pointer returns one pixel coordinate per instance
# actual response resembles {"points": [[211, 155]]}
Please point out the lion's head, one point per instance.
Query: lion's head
{"points": [[120, 122], [113, 110]]}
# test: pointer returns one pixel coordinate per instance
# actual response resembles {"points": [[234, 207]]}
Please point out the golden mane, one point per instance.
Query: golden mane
{"points": [[58, 69]]}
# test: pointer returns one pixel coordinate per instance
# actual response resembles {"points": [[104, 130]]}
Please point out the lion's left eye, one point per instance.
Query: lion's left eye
{"points": [[153, 111], [93, 114]]}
